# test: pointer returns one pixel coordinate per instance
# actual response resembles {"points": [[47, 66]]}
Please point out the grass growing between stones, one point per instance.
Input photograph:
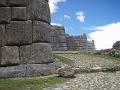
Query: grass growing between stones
{"points": [[105, 56], [30, 84], [63, 59], [108, 57]]}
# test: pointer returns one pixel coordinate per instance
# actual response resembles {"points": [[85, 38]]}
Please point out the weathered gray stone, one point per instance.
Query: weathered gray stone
{"points": [[63, 45], [62, 49], [116, 45], [37, 69], [27, 70], [37, 53], [19, 13], [2, 30], [41, 32], [39, 10], [18, 2], [18, 33], [5, 15], [62, 39], [66, 72], [9, 55], [13, 71], [3, 2], [58, 30], [47, 0]]}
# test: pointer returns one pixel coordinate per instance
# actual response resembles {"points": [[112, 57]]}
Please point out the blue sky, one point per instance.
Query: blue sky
{"points": [[96, 18]]}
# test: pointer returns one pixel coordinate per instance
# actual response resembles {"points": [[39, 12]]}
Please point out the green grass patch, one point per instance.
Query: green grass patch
{"points": [[30, 84], [63, 59], [106, 56]]}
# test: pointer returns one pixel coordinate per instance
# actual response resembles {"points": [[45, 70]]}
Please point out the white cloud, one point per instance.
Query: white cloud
{"points": [[53, 5], [80, 16], [58, 24], [106, 35], [67, 17]]}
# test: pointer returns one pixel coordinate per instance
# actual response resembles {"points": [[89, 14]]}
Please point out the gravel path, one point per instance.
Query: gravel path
{"points": [[91, 81]]}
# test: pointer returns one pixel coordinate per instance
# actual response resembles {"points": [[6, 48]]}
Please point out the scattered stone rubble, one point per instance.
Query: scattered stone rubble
{"points": [[64, 42], [25, 38]]}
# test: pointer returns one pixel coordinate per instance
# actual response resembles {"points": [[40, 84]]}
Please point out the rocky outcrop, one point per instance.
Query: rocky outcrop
{"points": [[25, 38], [116, 45], [115, 51]]}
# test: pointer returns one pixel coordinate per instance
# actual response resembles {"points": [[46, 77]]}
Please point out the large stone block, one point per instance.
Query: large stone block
{"points": [[62, 38], [13, 71], [5, 15], [63, 44], [41, 32], [9, 55], [3, 2], [39, 10], [37, 69], [19, 13], [18, 2], [37, 53], [54, 40], [62, 48], [2, 30], [27, 70], [18, 33]]}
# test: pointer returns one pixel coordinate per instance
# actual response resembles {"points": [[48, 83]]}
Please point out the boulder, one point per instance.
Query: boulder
{"points": [[37, 53], [18, 2], [39, 10], [9, 55], [5, 15], [2, 31], [19, 13], [41, 32], [66, 71], [18, 33]]}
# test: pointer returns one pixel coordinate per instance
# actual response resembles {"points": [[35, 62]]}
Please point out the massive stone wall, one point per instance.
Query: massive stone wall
{"points": [[58, 38], [77, 42], [24, 38], [62, 41], [80, 43]]}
